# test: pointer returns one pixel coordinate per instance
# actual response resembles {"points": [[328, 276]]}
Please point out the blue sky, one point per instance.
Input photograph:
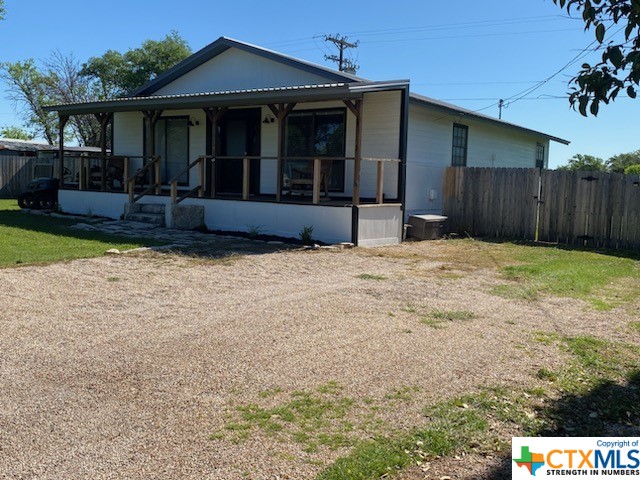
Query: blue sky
{"points": [[467, 52]]}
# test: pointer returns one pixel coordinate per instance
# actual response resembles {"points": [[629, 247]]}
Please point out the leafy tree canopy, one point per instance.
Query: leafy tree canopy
{"points": [[618, 163], [118, 74], [632, 170], [16, 133], [619, 68], [2, 10], [61, 79], [585, 163]]}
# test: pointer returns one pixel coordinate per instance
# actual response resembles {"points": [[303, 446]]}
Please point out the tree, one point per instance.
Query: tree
{"points": [[61, 79], [2, 10], [16, 133], [57, 81], [618, 163], [28, 91], [619, 68], [585, 163], [118, 74], [632, 170]]}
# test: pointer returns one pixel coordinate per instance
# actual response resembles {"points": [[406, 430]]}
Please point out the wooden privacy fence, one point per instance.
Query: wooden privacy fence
{"points": [[577, 208], [15, 174]]}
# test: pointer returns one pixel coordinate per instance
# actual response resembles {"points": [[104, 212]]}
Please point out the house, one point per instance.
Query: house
{"points": [[244, 137]]}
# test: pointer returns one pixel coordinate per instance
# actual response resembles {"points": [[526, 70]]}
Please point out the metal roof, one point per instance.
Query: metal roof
{"points": [[34, 146], [221, 45], [463, 112], [341, 85], [230, 98]]}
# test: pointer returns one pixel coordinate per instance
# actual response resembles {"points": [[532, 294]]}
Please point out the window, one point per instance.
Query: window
{"points": [[459, 155], [316, 133], [539, 155]]}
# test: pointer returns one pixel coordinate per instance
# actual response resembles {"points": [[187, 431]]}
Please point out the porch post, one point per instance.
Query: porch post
{"points": [[153, 117], [62, 121], [214, 115], [104, 119], [280, 112], [356, 109]]}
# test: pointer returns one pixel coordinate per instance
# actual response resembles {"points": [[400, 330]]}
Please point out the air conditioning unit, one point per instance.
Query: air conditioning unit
{"points": [[427, 227]]}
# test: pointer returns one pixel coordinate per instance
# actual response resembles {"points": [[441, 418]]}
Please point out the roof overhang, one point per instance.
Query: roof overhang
{"points": [[235, 98], [461, 112]]}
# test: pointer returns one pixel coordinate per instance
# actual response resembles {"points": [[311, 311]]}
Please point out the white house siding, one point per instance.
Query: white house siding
{"points": [[128, 136], [330, 224], [236, 69], [381, 139], [429, 149]]}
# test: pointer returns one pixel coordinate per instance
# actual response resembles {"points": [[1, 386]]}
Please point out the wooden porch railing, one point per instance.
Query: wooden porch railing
{"points": [[154, 168], [200, 161], [380, 174]]}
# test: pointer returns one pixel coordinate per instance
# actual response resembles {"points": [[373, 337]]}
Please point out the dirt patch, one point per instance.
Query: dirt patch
{"points": [[125, 367]]}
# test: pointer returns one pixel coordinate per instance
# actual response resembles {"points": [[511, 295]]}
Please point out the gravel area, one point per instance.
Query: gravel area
{"points": [[124, 366]]}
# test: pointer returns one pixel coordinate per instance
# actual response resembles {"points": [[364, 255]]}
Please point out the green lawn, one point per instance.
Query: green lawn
{"points": [[29, 239]]}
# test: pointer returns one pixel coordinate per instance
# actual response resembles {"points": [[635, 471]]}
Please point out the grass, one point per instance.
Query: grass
{"points": [[311, 418], [596, 393], [587, 275], [369, 276], [439, 318], [35, 239]]}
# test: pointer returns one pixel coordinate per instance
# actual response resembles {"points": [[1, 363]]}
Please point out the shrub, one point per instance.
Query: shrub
{"points": [[306, 234]]}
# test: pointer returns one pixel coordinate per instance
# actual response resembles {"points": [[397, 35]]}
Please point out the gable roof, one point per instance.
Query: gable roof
{"points": [[223, 44]]}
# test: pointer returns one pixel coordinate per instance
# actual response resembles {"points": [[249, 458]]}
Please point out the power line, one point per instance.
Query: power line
{"points": [[344, 64]]}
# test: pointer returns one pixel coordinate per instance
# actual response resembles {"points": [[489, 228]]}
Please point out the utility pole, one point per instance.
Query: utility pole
{"points": [[344, 64], [500, 105]]}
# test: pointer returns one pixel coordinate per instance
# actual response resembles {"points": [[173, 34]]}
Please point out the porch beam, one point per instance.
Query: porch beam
{"points": [[380, 185], [356, 109], [245, 178], [317, 175], [280, 112], [104, 119], [214, 115], [152, 117], [62, 121]]}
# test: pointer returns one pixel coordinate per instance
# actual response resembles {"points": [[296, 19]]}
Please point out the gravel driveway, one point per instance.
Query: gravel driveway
{"points": [[124, 366]]}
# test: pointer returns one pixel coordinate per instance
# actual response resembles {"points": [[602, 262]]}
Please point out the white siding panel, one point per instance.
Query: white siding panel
{"points": [[330, 224], [379, 225], [236, 70], [127, 133], [380, 139], [429, 149], [428, 153], [128, 136]]}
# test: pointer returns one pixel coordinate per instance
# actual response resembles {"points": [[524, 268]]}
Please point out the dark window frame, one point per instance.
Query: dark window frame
{"points": [[456, 159], [339, 164], [540, 148]]}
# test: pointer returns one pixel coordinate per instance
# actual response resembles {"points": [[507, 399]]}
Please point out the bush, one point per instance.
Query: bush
{"points": [[632, 170], [306, 235]]}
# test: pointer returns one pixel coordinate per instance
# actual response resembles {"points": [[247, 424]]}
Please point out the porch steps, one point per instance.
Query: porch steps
{"points": [[150, 213]]}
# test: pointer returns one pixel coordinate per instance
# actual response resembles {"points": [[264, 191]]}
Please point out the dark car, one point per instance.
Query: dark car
{"points": [[42, 193]]}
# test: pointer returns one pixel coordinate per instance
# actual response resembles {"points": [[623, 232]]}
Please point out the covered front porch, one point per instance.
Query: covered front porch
{"points": [[277, 159]]}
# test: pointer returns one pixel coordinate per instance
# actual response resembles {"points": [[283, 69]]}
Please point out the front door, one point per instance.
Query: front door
{"points": [[239, 138]]}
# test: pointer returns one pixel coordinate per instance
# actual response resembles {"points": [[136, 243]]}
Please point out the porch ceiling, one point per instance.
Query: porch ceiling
{"points": [[232, 98]]}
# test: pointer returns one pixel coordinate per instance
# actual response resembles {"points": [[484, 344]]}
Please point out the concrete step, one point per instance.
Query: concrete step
{"points": [[147, 208], [151, 218]]}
